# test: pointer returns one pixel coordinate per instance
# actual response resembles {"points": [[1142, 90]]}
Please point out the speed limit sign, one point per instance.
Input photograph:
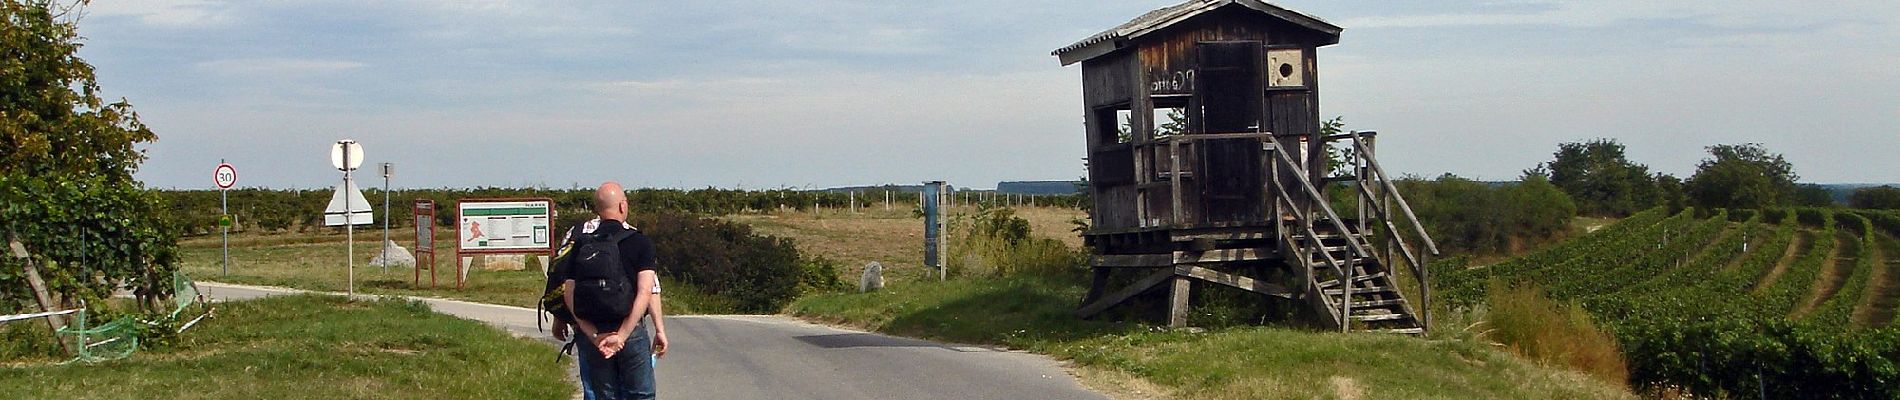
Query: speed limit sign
{"points": [[226, 176]]}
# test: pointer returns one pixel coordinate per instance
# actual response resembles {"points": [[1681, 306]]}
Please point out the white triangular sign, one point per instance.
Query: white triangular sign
{"points": [[358, 212]]}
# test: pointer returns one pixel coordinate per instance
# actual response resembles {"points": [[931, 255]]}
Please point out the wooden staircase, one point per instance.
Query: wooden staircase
{"points": [[1375, 303], [1347, 283]]}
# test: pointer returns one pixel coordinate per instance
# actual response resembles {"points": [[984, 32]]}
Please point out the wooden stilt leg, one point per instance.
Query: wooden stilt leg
{"points": [[1178, 303]]}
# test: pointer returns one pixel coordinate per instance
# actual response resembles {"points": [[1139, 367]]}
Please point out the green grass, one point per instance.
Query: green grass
{"points": [[318, 262], [313, 347], [1239, 363]]}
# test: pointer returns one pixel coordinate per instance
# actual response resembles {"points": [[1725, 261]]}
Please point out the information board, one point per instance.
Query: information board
{"points": [[503, 226]]}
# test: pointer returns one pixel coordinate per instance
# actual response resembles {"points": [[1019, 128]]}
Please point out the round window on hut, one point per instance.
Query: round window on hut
{"points": [[1286, 70]]}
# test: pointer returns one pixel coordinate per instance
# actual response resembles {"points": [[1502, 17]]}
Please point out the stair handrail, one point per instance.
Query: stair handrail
{"points": [[1371, 171], [1345, 309], [1319, 199], [1385, 181]]}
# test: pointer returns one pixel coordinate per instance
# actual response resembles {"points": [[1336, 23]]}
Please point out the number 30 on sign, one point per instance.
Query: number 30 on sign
{"points": [[226, 176]]}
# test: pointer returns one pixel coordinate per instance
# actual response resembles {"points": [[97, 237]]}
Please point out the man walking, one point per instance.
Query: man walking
{"points": [[610, 290]]}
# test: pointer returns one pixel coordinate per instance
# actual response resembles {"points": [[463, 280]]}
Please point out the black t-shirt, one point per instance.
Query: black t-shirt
{"points": [[636, 253]]}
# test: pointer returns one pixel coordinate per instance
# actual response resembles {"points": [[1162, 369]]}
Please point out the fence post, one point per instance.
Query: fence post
{"points": [[45, 300]]}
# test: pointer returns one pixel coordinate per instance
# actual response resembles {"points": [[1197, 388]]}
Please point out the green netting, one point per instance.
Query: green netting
{"points": [[119, 338], [112, 341]]}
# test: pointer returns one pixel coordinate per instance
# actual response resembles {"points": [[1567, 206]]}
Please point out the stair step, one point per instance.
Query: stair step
{"points": [[1376, 303], [1374, 289], [1402, 331], [1322, 236], [1356, 279], [1356, 261], [1379, 317]]}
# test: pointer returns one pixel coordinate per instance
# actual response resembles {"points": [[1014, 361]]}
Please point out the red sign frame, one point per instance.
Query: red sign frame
{"points": [[424, 210]]}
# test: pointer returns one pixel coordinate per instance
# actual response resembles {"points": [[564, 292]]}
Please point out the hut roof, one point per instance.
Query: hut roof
{"points": [[1109, 40]]}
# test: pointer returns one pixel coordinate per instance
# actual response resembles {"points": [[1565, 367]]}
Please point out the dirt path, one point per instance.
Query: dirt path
{"points": [[1795, 247], [1884, 287], [1833, 273]]}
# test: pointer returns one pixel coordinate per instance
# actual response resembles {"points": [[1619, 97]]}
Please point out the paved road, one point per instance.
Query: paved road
{"points": [[761, 357]]}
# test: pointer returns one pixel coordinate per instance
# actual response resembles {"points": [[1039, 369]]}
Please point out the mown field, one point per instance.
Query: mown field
{"points": [[1782, 303], [311, 347]]}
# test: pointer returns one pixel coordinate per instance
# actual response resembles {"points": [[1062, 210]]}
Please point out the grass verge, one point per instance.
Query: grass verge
{"points": [[318, 262], [313, 347], [1033, 313]]}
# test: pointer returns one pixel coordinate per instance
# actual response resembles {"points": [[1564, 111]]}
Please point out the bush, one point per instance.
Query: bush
{"points": [[759, 273], [1775, 357], [995, 242], [1523, 319]]}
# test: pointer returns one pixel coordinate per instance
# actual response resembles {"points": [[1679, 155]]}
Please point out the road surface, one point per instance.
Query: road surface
{"points": [[774, 357]]}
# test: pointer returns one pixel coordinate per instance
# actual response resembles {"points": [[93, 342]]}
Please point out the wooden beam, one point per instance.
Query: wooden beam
{"points": [[1139, 287], [1237, 281], [40, 295], [1131, 260], [1225, 255], [1178, 302]]}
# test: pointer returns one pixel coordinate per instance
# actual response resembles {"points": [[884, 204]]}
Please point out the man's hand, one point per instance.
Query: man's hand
{"points": [[610, 343], [659, 344], [560, 331]]}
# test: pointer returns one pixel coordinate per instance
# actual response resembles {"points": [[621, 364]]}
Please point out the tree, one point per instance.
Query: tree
{"points": [[1600, 179], [1742, 176], [1884, 197], [1812, 195], [66, 164], [1669, 192], [1541, 209]]}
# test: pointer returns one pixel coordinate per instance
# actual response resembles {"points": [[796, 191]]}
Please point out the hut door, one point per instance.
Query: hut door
{"points": [[1228, 98]]}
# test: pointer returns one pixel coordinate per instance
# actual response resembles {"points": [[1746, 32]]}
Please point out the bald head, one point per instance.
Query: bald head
{"points": [[610, 201]]}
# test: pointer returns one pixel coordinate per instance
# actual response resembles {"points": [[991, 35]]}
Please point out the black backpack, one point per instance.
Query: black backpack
{"points": [[602, 289]]}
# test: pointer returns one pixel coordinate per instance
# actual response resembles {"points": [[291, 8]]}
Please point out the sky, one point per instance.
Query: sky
{"points": [[822, 93]]}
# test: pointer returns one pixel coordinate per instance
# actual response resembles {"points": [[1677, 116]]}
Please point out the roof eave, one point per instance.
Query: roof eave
{"points": [[1111, 40]]}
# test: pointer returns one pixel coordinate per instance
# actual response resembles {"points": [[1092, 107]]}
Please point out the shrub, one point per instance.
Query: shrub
{"points": [[995, 242], [759, 273], [1523, 319]]}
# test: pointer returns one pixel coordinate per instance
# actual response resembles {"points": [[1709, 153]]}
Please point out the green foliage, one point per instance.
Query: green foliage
{"points": [[995, 242], [1884, 197], [1601, 179], [1812, 195], [1742, 176], [759, 273], [1681, 295], [1468, 216], [1748, 358], [66, 164], [280, 210]]}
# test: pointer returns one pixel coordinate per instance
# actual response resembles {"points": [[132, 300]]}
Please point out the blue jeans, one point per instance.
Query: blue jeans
{"points": [[628, 375]]}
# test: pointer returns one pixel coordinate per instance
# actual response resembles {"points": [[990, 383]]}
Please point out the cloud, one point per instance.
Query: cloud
{"points": [[171, 14], [282, 67]]}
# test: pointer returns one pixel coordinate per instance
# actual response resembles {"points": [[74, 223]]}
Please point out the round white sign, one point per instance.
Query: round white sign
{"points": [[346, 155], [225, 177]]}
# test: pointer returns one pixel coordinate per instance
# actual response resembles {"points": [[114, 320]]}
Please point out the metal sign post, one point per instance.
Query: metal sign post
{"points": [[389, 169], [346, 156], [225, 176]]}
